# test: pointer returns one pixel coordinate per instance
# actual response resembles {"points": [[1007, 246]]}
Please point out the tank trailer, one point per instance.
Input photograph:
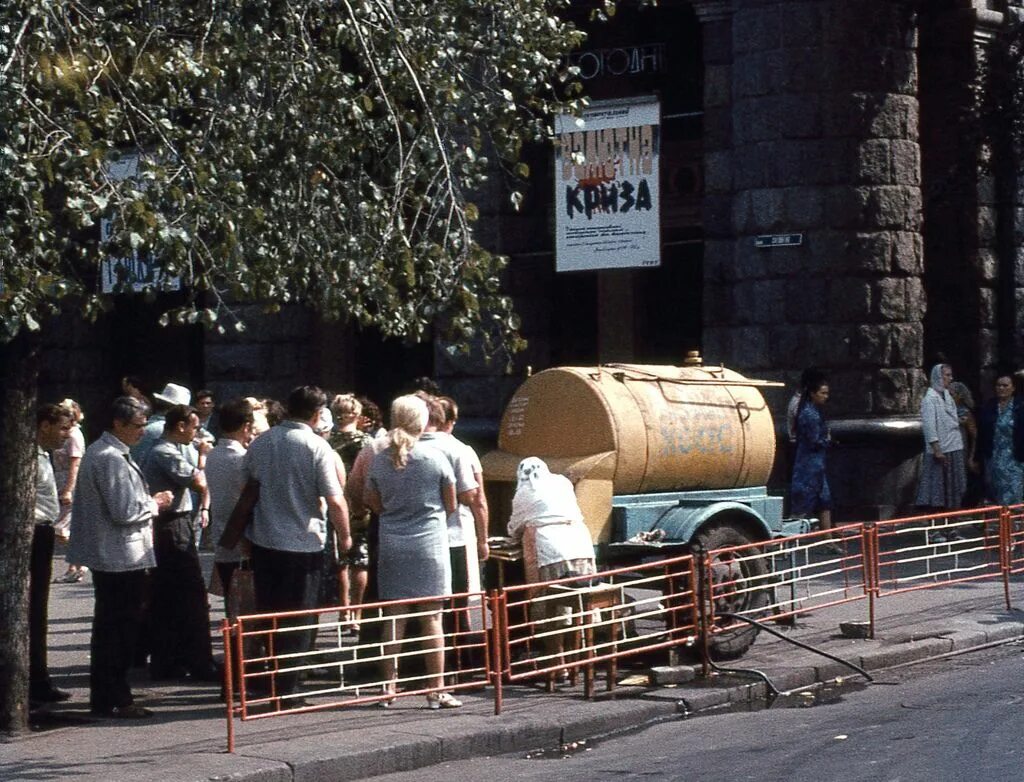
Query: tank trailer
{"points": [[664, 460]]}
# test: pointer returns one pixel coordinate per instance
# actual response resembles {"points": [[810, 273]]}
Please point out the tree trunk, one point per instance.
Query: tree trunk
{"points": [[19, 375]]}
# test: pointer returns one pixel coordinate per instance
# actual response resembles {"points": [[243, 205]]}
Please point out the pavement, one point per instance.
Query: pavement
{"points": [[186, 739]]}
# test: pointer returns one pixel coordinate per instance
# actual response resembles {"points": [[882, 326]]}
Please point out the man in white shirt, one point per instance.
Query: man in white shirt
{"points": [[288, 470], [225, 479], [465, 547], [53, 426]]}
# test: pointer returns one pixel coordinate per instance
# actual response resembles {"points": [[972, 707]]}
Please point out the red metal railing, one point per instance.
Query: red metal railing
{"points": [[341, 670], [780, 578], [556, 629], [924, 552], [539, 632], [1014, 545]]}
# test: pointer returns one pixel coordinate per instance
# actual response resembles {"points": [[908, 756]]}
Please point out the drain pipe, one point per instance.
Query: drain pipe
{"points": [[768, 683], [801, 644]]}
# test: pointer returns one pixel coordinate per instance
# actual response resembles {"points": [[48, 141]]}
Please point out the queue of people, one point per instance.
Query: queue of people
{"points": [[965, 447], [274, 497]]}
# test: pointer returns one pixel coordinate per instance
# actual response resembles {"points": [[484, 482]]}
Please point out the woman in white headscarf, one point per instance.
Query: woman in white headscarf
{"points": [[556, 542], [943, 470], [547, 504]]}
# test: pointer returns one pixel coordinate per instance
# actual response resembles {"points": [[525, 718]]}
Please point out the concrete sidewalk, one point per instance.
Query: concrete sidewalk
{"points": [[186, 739]]}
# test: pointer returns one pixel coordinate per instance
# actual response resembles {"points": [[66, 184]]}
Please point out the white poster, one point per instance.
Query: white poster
{"points": [[606, 186], [135, 273]]}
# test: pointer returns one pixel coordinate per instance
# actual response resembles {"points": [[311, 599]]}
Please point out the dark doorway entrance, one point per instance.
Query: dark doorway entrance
{"points": [[156, 354]]}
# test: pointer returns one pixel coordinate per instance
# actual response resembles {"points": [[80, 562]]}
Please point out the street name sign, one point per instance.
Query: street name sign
{"points": [[778, 240]]}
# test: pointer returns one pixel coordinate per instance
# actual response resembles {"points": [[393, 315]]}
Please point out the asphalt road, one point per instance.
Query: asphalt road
{"points": [[958, 719]]}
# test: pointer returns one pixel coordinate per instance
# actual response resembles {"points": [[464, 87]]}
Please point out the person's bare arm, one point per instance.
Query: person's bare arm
{"points": [[371, 499], [337, 512], [68, 491], [240, 516], [481, 518], [449, 498], [355, 485]]}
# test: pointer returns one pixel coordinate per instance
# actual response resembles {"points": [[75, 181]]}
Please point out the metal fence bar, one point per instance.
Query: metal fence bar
{"points": [[585, 621], [814, 577], [1015, 542], [929, 558], [229, 682]]}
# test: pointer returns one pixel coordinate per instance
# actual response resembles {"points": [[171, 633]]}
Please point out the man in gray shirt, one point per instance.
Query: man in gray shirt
{"points": [[53, 426], [112, 534], [225, 480], [179, 616], [288, 470]]}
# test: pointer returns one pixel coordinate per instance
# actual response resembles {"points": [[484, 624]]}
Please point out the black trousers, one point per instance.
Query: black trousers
{"points": [[117, 617], [179, 614], [226, 571], [40, 571], [288, 581]]}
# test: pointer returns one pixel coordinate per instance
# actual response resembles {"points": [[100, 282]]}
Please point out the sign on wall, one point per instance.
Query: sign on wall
{"points": [[137, 272], [606, 186]]}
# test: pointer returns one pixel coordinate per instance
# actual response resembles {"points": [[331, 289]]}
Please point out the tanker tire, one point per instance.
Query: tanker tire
{"points": [[732, 644]]}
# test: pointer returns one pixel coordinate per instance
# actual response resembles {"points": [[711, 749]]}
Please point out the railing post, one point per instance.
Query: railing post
{"points": [[1006, 551], [497, 654], [229, 684], [669, 592], [239, 663], [703, 598], [869, 555]]}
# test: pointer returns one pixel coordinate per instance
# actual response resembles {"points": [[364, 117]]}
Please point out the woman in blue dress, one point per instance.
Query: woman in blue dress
{"points": [[809, 491], [1001, 444], [411, 488]]}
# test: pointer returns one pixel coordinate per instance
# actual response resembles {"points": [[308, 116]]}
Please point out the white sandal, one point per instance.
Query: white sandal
{"points": [[442, 700]]}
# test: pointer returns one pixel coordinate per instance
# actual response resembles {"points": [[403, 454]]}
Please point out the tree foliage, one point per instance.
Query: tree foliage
{"points": [[314, 151]]}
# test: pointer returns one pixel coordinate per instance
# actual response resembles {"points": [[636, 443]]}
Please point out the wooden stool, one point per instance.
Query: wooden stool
{"points": [[600, 597]]}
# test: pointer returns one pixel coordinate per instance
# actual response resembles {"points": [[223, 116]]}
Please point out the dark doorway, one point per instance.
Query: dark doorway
{"points": [[669, 300], [384, 368], [156, 354]]}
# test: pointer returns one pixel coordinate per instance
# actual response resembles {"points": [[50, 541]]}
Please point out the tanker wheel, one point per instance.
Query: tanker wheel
{"points": [[726, 568]]}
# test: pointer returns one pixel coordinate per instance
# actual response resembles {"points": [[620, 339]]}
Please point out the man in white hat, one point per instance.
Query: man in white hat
{"points": [[172, 395]]}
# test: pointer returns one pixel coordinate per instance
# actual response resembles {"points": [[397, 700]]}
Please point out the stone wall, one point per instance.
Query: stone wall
{"points": [[275, 353], [824, 142]]}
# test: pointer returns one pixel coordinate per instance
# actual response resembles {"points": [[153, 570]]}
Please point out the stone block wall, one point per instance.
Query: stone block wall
{"points": [[274, 353], [823, 142]]}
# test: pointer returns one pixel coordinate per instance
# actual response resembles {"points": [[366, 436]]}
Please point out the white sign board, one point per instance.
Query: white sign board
{"points": [[606, 186], [135, 273]]}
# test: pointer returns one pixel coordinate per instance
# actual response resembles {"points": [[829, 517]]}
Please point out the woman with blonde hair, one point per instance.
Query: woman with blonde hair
{"points": [[411, 487]]}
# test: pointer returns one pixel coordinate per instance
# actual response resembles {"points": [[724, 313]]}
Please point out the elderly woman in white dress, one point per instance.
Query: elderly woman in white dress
{"points": [[943, 466], [556, 542]]}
